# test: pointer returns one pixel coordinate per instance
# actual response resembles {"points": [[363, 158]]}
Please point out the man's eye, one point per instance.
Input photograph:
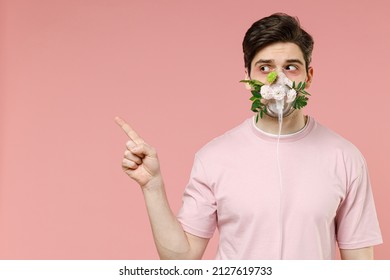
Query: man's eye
{"points": [[265, 68], [291, 67]]}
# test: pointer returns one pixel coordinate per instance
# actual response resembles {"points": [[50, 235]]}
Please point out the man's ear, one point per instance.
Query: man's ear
{"points": [[247, 86], [309, 78]]}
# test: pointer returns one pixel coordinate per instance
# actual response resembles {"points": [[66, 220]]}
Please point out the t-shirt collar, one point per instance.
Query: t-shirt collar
{"points": [[285, 137]]}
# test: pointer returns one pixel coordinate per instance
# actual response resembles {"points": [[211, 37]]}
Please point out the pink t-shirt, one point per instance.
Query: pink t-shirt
{"points": [[325, 195]]}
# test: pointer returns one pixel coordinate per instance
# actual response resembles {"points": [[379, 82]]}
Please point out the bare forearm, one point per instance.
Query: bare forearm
{"points": [[169, 237], [357, 254]]}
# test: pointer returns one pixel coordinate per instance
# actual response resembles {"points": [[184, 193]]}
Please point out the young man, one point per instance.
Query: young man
{"points": [[298, 205]]}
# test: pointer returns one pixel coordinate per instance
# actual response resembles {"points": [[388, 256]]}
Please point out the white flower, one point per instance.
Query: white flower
{"points": [[291, 94], [266, 92], [279, 92]]}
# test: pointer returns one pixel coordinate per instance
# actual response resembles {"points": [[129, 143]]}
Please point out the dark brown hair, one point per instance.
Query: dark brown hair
{"points": [[278, 27]]}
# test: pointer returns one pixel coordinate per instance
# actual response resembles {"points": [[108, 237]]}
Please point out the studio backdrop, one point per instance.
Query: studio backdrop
{"points": [[171, 69]]}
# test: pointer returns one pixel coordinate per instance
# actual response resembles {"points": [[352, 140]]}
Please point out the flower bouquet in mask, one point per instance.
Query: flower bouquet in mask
{"points": [[279, 98]]}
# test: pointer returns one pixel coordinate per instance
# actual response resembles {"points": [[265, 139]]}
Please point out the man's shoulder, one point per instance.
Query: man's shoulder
{"points": [[334, 142], [330, 136], [226, 141]]}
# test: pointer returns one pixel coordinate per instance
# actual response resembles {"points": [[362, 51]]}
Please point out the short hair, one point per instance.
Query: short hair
{"points": [[278, 27]]}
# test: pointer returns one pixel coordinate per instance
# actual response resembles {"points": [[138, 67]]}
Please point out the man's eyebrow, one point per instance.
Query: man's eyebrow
{"points": [[295, 61], [264, 61]]}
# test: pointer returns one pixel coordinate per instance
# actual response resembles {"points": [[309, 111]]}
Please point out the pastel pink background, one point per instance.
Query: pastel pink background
{"points": [[171, 69]]}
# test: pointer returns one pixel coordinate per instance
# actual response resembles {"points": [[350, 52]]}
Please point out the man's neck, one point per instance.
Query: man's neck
{"points": [[291, 124]]}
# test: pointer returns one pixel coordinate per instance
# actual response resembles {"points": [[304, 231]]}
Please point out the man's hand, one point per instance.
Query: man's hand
{"points": [[140, 160]]}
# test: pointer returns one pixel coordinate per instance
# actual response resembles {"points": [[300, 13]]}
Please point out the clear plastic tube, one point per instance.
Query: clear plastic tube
{"points": [[280, 107]]}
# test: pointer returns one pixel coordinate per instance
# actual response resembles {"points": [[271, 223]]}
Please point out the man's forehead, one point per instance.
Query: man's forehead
{"points": [[281, 51]]}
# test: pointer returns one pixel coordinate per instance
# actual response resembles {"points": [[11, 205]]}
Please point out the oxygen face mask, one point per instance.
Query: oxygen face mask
{"points": [[279, 98]]}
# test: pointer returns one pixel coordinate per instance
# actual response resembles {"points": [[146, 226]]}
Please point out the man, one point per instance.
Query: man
{"points": [[296, 205]]}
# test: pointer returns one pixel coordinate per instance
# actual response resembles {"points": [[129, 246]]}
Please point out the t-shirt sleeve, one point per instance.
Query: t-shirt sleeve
{"points": [[356, 220], [198, 212]]}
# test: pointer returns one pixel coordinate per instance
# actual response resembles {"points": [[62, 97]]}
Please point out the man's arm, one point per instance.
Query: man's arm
{"points": [[141, 163], [357, 254], [170, 239]]}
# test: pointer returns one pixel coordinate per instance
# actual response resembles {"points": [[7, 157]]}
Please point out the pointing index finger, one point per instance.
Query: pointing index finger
{"points": [[129, 131]]}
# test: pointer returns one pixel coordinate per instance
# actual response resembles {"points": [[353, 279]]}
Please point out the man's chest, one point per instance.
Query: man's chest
{"points": [[309, 189]]}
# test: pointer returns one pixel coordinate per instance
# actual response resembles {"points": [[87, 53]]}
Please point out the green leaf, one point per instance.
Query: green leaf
{"points": [[256, 93], [256, 82], [253, 83], [293, 85], [255, 105], [257, 102], [253, 98], [299, 85], [300, 102], [257, 118]]}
